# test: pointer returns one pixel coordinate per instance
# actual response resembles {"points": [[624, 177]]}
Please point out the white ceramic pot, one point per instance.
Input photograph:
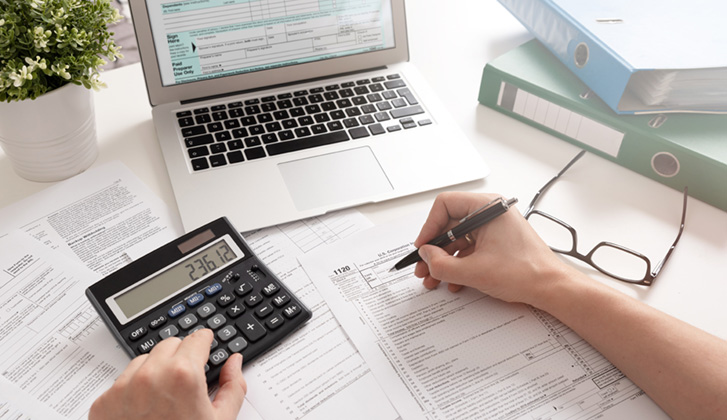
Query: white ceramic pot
{"points": [[52, 137]]}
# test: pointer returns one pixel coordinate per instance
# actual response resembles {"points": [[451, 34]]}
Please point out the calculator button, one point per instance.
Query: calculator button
{"points": [[137, 333], [170, 331], [206, 310], [225, 299], [253, 300], [216, 321], [156, 323], [147, 345], [218, 357], [250, 328], [237, 345], [213, 289], [195, 329], [243, 288], [270, 289], [275, 322], [236, 310], [187, 321], [264, 311], [291, 311], [227, 333], [281, 300], [176, 310], [195, 300]]}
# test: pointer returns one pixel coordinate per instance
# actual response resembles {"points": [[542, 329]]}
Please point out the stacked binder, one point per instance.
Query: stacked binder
{"points": [[535, 85], [647, 56]]}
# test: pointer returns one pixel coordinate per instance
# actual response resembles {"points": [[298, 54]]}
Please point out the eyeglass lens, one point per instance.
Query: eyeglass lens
{"points": [[612, 260]]}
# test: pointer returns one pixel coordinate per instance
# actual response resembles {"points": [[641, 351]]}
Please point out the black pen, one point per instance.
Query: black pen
{"points": [[471, 222]]}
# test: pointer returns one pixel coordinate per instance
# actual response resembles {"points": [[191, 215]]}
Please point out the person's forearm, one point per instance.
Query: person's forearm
{"points": [[681, 367]]}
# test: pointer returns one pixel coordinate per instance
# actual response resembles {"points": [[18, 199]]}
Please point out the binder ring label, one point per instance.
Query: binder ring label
{"points": [[665, 164], [580, 56]]}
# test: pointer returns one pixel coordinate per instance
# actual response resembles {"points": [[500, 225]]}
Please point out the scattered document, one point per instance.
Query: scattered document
{"points": [[56, 355], [54, 349], [316, 373], [104, 218], [443, 355]]}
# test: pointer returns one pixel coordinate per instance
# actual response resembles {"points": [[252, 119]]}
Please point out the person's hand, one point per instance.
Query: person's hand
{"points": [[169, 383], [507, 259]]}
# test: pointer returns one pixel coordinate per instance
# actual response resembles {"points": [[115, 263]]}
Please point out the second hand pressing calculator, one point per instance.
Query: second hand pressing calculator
{"points": [[208, 278]]}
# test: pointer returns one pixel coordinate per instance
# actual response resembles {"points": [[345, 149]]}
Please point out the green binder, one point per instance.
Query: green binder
{"points": [[678, 150]]}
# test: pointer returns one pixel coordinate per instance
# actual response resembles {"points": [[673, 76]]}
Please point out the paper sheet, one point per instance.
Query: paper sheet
{"points": [[317, 373], [443, 355], [56, 354], [53, 347], [103, 218]]}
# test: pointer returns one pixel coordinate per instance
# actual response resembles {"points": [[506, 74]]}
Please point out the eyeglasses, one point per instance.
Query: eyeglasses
{"points": [[611, 259]]}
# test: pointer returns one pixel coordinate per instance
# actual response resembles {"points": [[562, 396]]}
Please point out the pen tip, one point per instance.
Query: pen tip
{"points": [[392, 269]]}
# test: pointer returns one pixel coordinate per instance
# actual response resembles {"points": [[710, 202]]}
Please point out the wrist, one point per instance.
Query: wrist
{"points": [[556, 286]]}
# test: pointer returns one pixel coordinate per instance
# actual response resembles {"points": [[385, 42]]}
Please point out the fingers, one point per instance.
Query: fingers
{"points": [[232, 390], [196, 347], [131, 369], [448, 209]]}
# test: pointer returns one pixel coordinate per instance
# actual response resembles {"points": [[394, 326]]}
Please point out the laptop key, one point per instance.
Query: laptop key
{"points": [[200, 164], [255, 153], [302, 131], [377, 129], [196, 152], [193, 131], [218, 160], [199, 140], [186, 121], [307, 143], [253, 141], [358, 132], [286, 135], [235, 157], [394, 84], [406, 112]]}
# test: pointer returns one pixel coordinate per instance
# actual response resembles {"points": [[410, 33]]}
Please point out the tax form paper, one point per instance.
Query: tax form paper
{"points": [[465, 355]]}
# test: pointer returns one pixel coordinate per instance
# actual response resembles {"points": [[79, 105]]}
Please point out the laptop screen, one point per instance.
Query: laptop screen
{"points": [[206, 39]]}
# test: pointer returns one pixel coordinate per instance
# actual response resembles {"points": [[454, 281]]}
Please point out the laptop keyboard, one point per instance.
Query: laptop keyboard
{"points": [[236, 132]]}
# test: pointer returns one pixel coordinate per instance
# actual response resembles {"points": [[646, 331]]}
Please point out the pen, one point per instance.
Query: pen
{"points": [[471, 222]]}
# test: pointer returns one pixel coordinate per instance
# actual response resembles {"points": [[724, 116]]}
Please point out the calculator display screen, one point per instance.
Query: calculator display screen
{"points": [[174, 279]]}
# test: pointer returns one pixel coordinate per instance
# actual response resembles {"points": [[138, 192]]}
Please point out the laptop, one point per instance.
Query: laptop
{"points": [[273, 111]]}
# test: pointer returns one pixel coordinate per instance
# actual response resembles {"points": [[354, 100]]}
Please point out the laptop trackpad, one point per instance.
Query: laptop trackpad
{"points": [[334, 178]]}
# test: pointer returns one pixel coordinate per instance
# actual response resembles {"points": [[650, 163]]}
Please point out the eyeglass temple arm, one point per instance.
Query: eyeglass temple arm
{"points": [[661, 264], [547, 185]]}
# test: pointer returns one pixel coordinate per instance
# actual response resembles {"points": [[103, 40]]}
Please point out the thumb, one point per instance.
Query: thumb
{"points": [[442, 266], [233, 388]]}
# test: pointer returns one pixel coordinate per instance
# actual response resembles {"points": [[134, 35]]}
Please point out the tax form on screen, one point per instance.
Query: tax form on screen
{"points": [[203, 39], [443, 355]]}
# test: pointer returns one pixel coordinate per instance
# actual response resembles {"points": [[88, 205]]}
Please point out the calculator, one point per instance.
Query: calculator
{"points": [[208, 278]]}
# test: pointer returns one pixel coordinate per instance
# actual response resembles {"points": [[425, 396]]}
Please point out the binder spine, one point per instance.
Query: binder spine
{"points": [[641, 151], [584, 55]]}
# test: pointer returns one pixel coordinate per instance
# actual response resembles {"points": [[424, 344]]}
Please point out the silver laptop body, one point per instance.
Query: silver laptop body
{"points": [[248, 58]]}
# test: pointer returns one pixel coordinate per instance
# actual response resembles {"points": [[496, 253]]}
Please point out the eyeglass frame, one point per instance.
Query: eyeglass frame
{"points": [[649, 275]]}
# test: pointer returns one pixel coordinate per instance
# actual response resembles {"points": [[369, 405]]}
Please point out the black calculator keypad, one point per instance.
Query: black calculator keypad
{"points": [[247, 309], [207, 278]]}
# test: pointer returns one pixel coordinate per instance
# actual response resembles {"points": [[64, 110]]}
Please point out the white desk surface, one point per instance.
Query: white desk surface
{"points": [[450, 45]]}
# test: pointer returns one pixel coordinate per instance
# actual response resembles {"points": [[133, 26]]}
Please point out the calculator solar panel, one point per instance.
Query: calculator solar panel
{"points": [[208, 278]]}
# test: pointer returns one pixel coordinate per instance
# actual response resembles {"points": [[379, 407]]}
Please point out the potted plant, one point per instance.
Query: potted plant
{"points": [[51, 53]]}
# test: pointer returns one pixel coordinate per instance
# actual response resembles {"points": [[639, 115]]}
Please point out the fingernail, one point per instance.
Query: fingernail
{"points": [[424, 254]]}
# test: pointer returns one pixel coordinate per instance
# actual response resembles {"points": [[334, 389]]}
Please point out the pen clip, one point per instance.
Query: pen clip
{"points": [[502, 201]]}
